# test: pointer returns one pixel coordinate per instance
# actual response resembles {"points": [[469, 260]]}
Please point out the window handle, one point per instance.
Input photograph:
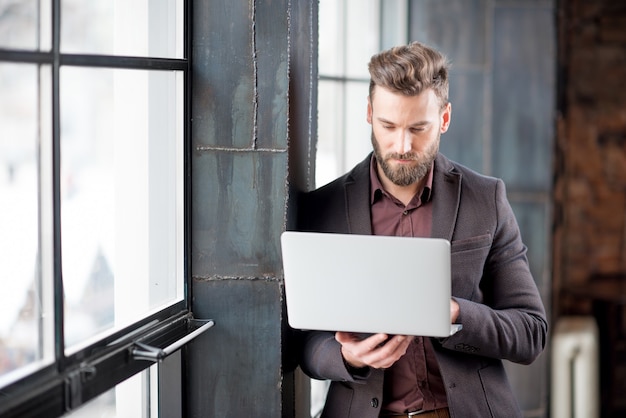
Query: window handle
{"points": [[142, 351]]}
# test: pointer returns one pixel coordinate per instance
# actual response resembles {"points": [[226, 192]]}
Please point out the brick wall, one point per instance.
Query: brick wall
{"points": [[590, 174], [590, 181]]}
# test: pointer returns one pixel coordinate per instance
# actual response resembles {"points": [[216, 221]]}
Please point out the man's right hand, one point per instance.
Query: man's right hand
{"points": [[379, 351]]}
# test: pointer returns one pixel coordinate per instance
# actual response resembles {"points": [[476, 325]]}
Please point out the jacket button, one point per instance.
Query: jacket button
{"points": [[374, 402]]}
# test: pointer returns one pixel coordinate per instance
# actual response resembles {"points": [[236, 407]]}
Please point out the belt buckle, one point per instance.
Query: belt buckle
{"points": [[415, 413]]}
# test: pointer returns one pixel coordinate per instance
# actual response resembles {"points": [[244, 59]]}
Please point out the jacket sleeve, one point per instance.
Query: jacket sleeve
{"points": [[501, 311], [322, 359]]}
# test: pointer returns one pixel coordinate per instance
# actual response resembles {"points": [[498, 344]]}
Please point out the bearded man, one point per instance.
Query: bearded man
{"points": [[407, 188]]}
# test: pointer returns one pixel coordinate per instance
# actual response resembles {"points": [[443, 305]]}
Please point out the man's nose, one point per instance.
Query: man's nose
{"points": [[403, 142]]}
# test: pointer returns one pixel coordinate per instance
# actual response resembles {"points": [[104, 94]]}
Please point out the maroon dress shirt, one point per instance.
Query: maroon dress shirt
{"points": [[413, 382]]}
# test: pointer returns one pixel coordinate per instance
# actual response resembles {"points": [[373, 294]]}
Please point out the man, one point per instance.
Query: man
{"points": [[407, 188]]}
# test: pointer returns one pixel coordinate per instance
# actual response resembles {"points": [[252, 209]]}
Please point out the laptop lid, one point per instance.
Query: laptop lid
{"points": [[367, 283]]}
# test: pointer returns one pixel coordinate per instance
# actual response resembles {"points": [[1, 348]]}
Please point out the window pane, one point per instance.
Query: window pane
{"points": [[121, 196], [331, 38], [343, 131], [123, 27], [358, 131], [19, 24], [363, 37], [23, 340], [128, 399], [330, 145], [348, 37]]}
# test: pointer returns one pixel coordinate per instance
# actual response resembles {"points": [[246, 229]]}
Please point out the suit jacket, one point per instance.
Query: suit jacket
{"points": [[500, 307]]}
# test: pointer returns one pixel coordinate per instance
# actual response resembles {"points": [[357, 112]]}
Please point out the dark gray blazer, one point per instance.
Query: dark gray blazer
{"points": [[501, 311]]}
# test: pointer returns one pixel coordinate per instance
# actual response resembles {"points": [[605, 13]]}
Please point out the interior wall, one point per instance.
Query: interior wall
{"points": [[245, 55], [503, 95], [253, 99], [591, 169], [590, 182]]}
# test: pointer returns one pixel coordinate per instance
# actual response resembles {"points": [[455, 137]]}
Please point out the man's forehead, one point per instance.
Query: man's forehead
{"points": [[388, 104]]}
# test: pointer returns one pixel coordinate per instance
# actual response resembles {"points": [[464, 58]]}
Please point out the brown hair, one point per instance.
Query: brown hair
{"points": [[409, 70]]}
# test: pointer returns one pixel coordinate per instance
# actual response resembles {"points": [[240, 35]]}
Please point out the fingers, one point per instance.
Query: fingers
{"points": [[454, 310], [387, 354], [355, 348], [378, 351]]}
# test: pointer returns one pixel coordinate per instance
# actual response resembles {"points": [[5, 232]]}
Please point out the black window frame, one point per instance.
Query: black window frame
{"points": [[72, 380]]}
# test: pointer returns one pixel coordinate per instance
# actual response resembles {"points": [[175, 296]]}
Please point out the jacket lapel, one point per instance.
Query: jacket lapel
{"points": [[446, 198], [357, 192]]}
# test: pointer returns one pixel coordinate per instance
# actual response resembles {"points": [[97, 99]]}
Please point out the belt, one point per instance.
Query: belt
{"points": [[437, 413]]}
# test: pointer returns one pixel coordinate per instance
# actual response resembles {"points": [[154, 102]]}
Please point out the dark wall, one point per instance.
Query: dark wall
{"points": [[503, 95], [252, 104], [590, 182]]}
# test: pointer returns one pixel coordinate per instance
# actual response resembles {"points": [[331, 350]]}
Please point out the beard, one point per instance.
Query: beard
{"points": [[405, 174]]}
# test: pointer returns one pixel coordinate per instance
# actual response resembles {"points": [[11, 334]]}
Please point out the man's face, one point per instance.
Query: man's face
{"points": [[406, 132]]}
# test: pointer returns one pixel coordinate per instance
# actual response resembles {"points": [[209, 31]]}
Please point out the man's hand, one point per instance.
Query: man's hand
{"points": [[379, 351], [454, 311]]}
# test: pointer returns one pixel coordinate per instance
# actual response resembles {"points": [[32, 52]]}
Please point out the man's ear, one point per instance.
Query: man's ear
{"points": [[369, 110], [445, 117]]}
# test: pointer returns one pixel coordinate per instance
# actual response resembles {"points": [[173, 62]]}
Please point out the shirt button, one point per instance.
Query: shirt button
{"points": [[374, 402], [406, 212]]}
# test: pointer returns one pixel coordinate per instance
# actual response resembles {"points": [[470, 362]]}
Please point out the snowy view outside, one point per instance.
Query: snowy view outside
{"points": [[21, 107], [120, 179], [19, 222]]}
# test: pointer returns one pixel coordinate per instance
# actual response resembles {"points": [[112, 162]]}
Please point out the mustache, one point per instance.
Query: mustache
{"points": [[404, 156]]}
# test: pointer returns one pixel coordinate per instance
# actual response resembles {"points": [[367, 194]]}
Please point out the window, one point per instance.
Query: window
{"points": [[93, 137], [351, 31]]}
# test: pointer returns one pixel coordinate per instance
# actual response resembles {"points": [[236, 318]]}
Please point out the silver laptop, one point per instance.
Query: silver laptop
{"points": [[367, 283]]}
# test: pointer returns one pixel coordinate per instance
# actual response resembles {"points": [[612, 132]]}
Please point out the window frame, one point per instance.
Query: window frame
{"points": [[74, 379]]}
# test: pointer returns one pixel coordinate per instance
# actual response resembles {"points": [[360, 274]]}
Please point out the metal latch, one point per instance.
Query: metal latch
{"points": [[74, 385], [142, 351]]}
